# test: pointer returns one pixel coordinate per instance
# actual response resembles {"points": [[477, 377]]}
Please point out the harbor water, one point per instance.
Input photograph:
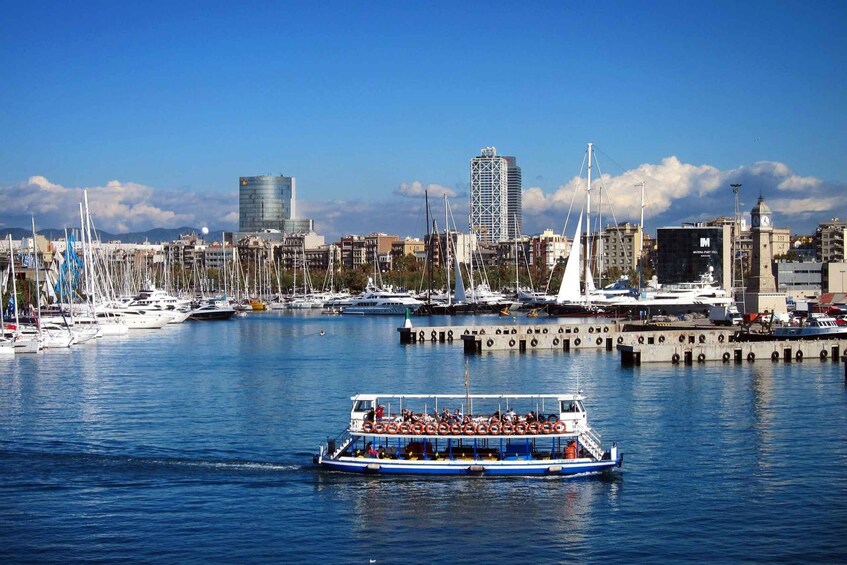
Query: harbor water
{"points": [[194, 443]]}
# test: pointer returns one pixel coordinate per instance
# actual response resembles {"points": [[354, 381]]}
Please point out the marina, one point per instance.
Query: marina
{"points": [[121, 446]]}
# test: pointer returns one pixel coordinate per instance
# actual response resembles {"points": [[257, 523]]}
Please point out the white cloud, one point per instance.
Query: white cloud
{"points": [[116, 207], [677, 192], [416, 189]]}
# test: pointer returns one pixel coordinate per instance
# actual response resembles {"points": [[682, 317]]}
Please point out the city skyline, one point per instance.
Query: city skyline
{"points": [[370, 106]]}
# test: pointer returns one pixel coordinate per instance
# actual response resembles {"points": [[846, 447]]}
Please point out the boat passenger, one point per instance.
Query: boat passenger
{"points": [[380, 412], [457, 416], [531, 417], [370, 451], [510, 415]]}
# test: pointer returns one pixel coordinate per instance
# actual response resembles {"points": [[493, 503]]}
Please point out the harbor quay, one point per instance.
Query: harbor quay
{"points": [[636, 343]]}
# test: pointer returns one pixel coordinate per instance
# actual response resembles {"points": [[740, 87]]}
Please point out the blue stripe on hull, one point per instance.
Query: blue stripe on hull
{"points": [[535, 468]]}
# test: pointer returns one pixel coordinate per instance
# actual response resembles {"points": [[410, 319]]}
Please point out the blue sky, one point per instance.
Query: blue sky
{"points": [[158, 107]]}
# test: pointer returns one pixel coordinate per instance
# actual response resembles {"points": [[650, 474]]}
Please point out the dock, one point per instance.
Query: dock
{"points": [[685, 344]]}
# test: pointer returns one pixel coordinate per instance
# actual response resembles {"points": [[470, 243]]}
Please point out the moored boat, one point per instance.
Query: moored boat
{"points": [[430, 434]]}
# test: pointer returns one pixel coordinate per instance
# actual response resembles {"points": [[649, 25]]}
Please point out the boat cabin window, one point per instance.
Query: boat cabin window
{"points": [[363, 406], [571, 406]]}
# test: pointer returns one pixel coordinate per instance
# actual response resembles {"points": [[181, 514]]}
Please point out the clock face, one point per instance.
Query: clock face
{"points": [[766, 221], [755, 221]]}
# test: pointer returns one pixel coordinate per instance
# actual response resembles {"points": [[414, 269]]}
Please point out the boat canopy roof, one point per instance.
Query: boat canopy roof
{"points": [[576, 396]]}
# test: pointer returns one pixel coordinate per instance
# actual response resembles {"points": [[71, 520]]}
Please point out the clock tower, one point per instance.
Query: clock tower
{"points": [[761, 294]]}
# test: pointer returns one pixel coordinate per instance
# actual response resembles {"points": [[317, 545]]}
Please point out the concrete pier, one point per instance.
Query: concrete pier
{"points": [[637, 344], [795, 351]]}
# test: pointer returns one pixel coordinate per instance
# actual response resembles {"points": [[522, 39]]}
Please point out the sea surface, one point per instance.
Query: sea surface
{"points": [[193, 444]]}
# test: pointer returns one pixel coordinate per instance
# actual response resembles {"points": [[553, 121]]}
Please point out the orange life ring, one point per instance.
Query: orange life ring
{"points": [[431, 428], [533, 427], [560, 427], [494, 428], [520, 428], [456, 429], [547, 428], [379, 428], [391, 428], [417, 428], [469, 429], [405, 428], [368, 427], [443, 428], [482, 429], [508, 429]]}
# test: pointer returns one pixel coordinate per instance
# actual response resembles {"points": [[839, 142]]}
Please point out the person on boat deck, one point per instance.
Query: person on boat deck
{"points": [[380, 412], [369, 417], [496, 417], [531, 417], [457, 416], [445, 415], [371, 452], [510, 415]]}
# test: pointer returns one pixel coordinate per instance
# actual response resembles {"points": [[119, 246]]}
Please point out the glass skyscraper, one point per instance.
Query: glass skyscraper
{"points": [[265, 202]]}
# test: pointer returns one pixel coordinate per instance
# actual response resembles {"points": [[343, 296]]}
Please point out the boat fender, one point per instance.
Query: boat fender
{"points": [[490, 342], [514, 330], [620, 339], [544, 331], [450, 335], [751, 356], [576, 330], [561, 330], [368, 427], [444, 428], [456, 429], [661, 339], [824, 354], [511, 343], [508, 429], [721, 338], [379, 428], [641, 339], [467, 332], [469, 429], [431, 429], [799, 355], [391, 428], [533, 427], [701, 358], [482, 429], [433, 335], [775, 356], [599, 341], [498, 331], [605, 329], [417, 428], [422, 334], [675, 358], [560, 428], [682, 339], [534, 342], [405, 428], [482, 331], [702, 338], [591, 330], [494, 428], [577, 341], [555, 341], [726, 356], [547, 428]]}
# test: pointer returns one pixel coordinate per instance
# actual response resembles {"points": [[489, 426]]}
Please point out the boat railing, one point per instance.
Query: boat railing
{"points": [[591, 440], [338, 444]]}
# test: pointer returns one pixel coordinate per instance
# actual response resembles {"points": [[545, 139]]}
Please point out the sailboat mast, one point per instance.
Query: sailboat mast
{"points": [[588, 222], [14, 288], [447, 252], [37, 282]]}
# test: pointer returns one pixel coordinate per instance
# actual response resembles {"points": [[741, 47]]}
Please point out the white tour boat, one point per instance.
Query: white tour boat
{"points": [[430, 434]]}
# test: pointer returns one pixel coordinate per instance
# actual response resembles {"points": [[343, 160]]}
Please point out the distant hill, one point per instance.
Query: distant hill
{"points": [[157, 235]]}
